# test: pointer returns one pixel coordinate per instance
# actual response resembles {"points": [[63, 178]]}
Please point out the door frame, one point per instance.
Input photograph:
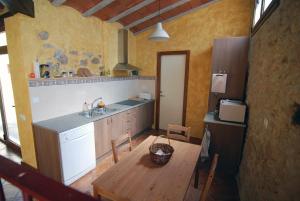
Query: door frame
{"points": [[6, 141], [158, 83]]}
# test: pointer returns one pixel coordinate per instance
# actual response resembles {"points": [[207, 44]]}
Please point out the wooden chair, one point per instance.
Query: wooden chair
{"points": [[175, 132], [116, 142], [204, 192]]}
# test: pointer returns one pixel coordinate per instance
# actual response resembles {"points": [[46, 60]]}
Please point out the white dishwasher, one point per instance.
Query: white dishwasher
{"points": [[77, 152]]}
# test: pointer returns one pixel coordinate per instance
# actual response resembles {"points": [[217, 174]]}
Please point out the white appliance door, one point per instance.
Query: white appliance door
{"points": [[77, 153], [171, 90]]}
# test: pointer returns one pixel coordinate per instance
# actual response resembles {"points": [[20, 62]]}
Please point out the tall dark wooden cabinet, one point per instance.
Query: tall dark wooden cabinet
{"points": [[230, 56]]}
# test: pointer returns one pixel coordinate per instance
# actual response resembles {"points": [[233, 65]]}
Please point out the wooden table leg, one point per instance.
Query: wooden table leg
{"points": [[197, 174], [96, 195]]}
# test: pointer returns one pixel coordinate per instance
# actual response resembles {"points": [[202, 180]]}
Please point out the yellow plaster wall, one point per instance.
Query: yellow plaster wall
{"points": [[196, 32], [68, 30]]}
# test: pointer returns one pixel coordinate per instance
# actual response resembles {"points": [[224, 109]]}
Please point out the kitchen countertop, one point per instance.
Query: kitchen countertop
{"points": [[68, 122], [210, 118]]}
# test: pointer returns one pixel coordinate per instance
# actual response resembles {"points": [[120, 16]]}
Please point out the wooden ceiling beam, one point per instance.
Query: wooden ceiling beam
{"points": [[148, 17], [58, 2], [199, 6], [97, 7], [130, 10]]}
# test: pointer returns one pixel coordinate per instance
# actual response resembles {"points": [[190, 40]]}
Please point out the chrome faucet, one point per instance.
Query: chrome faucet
{"points": [[93, 107]]}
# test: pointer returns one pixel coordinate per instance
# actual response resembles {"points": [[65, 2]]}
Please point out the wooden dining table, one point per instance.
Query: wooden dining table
{"points": [[136, 178]]}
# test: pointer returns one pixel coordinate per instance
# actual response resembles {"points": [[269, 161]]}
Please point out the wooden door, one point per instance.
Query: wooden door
{"points": [[172, 90], [102, 136]]}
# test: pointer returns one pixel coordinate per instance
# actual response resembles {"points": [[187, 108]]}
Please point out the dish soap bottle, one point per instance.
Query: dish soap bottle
{"points": [[85, 107]]}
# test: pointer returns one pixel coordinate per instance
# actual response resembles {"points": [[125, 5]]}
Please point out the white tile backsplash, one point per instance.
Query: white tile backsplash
{"points": [[57, 100]]}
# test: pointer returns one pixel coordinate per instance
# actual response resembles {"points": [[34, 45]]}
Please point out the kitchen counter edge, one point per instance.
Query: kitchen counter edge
{"points": [[75, 120]]}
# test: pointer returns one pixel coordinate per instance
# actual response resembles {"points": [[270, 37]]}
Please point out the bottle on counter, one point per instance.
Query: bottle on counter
{"points": [[85, 107], [36, 68]]}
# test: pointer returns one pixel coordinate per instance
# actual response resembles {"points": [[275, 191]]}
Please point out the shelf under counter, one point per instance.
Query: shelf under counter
{"points": [[227, 140]]}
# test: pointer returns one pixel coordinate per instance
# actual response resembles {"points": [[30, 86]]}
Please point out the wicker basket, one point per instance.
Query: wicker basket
{"points": [[160, 153]]}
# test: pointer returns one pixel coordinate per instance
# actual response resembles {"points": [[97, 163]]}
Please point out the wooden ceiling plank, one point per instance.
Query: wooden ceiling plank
{"points": [[179, 15], [130, 10], [97, 7], [148, 17], [58, 2]]}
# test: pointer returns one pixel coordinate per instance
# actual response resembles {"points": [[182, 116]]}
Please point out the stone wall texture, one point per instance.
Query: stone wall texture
{"points": [[196, 32], [270, 168]]}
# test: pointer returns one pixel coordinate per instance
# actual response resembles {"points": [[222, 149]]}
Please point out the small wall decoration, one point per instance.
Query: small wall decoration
{"points": [[83, 62], [43, 35], [48, 45], [74, 52], [95, 60], [61, 57]]}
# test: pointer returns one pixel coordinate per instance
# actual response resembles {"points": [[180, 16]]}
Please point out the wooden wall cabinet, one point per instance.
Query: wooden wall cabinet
{"points": [[230, 56]]}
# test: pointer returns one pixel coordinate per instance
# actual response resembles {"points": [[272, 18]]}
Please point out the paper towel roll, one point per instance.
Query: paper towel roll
{"points": [[218, 84]]}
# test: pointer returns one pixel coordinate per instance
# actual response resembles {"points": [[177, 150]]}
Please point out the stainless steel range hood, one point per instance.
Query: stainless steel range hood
{"points": [[123, 64]]}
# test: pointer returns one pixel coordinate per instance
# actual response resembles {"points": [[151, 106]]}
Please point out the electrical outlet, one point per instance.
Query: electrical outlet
{"points": [[35, 99], [266, 123]]}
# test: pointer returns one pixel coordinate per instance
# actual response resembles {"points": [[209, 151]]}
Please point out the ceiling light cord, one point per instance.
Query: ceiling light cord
{"points": [[159, 10]]}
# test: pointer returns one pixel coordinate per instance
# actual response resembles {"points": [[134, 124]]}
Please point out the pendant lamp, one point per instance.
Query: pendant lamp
{"points": [[159, 34]]}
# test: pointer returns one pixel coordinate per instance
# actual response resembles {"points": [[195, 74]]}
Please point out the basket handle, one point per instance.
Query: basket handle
{"points": [[161, 137]]}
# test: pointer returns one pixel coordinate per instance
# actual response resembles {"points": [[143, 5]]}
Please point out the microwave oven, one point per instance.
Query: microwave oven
{"points": [[232, 110]]}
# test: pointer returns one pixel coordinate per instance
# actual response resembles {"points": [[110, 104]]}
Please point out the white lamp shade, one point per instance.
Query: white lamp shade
{"points": [[159, 34]]}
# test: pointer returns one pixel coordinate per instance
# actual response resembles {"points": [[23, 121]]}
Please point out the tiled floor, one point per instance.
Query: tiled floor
{"points": [[222, 189], [11, 192]]}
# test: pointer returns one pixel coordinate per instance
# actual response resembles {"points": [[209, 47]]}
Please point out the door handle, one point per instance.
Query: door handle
{"points": [[161, 95]]}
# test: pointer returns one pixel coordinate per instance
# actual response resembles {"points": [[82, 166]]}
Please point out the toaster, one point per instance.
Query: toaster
{"points": [[232, 110]]}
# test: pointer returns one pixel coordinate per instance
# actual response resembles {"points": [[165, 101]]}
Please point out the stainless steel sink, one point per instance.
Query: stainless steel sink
{"points": [[98, 112], [129, 102]]}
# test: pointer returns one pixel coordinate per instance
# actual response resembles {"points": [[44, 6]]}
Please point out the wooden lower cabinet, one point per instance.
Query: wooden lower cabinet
{"points": [[132, 121], [117, 125], [227, 141], [103, 136]]}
